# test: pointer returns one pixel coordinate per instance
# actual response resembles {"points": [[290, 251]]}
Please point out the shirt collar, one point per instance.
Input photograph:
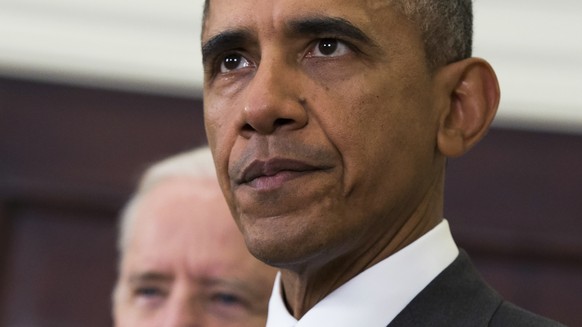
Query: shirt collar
{"points": [[378, 294]]}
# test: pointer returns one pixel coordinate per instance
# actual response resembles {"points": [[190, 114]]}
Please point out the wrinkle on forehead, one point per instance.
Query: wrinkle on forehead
{"points": [[405, 7], [279, 9], [378, 4]]}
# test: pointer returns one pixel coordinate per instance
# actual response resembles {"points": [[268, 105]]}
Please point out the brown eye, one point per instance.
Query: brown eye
{"points": [[232, 62], [327, 46]]}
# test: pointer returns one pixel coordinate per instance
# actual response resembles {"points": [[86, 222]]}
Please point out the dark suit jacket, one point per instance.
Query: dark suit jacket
{"points": [[458, 297]]}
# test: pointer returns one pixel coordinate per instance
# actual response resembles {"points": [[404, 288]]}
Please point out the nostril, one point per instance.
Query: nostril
{"points": [[282, 122], [247, 128]]}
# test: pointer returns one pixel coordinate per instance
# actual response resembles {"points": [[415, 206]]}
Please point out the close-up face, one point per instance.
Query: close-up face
{"points": [[185, 263], [322, 121]]}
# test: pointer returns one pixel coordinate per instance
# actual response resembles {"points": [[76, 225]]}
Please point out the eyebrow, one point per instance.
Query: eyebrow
{"points": [[149, 277], [332, 26], [226, 282]]}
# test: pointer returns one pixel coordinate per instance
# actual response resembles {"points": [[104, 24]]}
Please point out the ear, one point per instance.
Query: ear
{"points": [[471, 97]]}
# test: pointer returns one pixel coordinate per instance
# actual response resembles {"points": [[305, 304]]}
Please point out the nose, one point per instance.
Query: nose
{"points": [[273, 100], [184, 312]]}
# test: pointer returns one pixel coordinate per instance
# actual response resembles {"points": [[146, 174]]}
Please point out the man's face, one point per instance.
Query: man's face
{"points": [[185, 263], [321, 119]]}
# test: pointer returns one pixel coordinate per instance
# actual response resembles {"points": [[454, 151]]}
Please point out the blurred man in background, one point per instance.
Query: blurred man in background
{"points": [[183, 261]]}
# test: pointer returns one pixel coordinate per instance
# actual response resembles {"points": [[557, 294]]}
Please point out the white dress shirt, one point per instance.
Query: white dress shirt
{"points": [[374, 297]]}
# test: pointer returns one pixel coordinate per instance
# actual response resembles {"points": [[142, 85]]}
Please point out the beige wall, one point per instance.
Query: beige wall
{"points": [[153, 45]]}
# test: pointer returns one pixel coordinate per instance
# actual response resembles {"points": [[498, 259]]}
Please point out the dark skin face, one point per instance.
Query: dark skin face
{"points": [[328, 133]]}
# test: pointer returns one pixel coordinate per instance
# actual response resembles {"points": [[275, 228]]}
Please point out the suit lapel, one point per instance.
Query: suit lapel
{"points": [[456, 297]]}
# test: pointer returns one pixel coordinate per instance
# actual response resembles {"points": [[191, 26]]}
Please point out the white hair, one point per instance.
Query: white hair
{"points": [[196, 163]]}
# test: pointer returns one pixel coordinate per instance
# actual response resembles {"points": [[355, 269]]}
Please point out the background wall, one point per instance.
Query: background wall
{"points": [[153, 45], [91, 93]]}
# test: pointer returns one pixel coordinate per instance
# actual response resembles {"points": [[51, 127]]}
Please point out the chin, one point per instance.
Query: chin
{"points": [[288, 248], [277, 254], [307, 232]]}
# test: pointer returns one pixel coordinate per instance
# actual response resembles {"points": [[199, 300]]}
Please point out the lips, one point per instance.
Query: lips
{"points": [[287, 168]]}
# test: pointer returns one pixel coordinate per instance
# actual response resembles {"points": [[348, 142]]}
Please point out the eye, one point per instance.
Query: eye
{"points": [[329, 48], [232, 62], [227, 299], [148, 292], [229, 303]]}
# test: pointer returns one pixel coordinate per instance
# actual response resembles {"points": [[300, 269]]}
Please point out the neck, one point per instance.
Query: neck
{"points": [[306, 285]]}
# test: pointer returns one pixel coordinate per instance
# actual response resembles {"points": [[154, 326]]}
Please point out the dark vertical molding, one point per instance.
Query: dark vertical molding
{"points": [[4, 253]]}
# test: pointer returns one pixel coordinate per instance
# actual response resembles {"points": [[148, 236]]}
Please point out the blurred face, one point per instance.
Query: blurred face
{"points": [[186, 264], [320, 116]]}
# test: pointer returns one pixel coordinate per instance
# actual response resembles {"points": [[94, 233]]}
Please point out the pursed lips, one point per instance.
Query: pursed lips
{"points": [[273, 172]]}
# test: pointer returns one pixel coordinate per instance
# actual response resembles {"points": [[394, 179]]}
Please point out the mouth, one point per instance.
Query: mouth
{"points": [[273, 173]]}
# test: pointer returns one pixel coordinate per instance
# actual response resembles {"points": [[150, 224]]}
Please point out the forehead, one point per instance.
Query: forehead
{"points": [[182, 201], [266, 14], [181, 214]]}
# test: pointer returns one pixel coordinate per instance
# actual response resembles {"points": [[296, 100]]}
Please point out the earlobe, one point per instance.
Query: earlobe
{"points": [[472, 92]]}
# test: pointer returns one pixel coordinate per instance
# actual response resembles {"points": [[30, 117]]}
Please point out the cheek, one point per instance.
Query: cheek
{"points": [[375, 127], [340, 107], [357, 117], [222, 132], [215, 110], [220, 119]]}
